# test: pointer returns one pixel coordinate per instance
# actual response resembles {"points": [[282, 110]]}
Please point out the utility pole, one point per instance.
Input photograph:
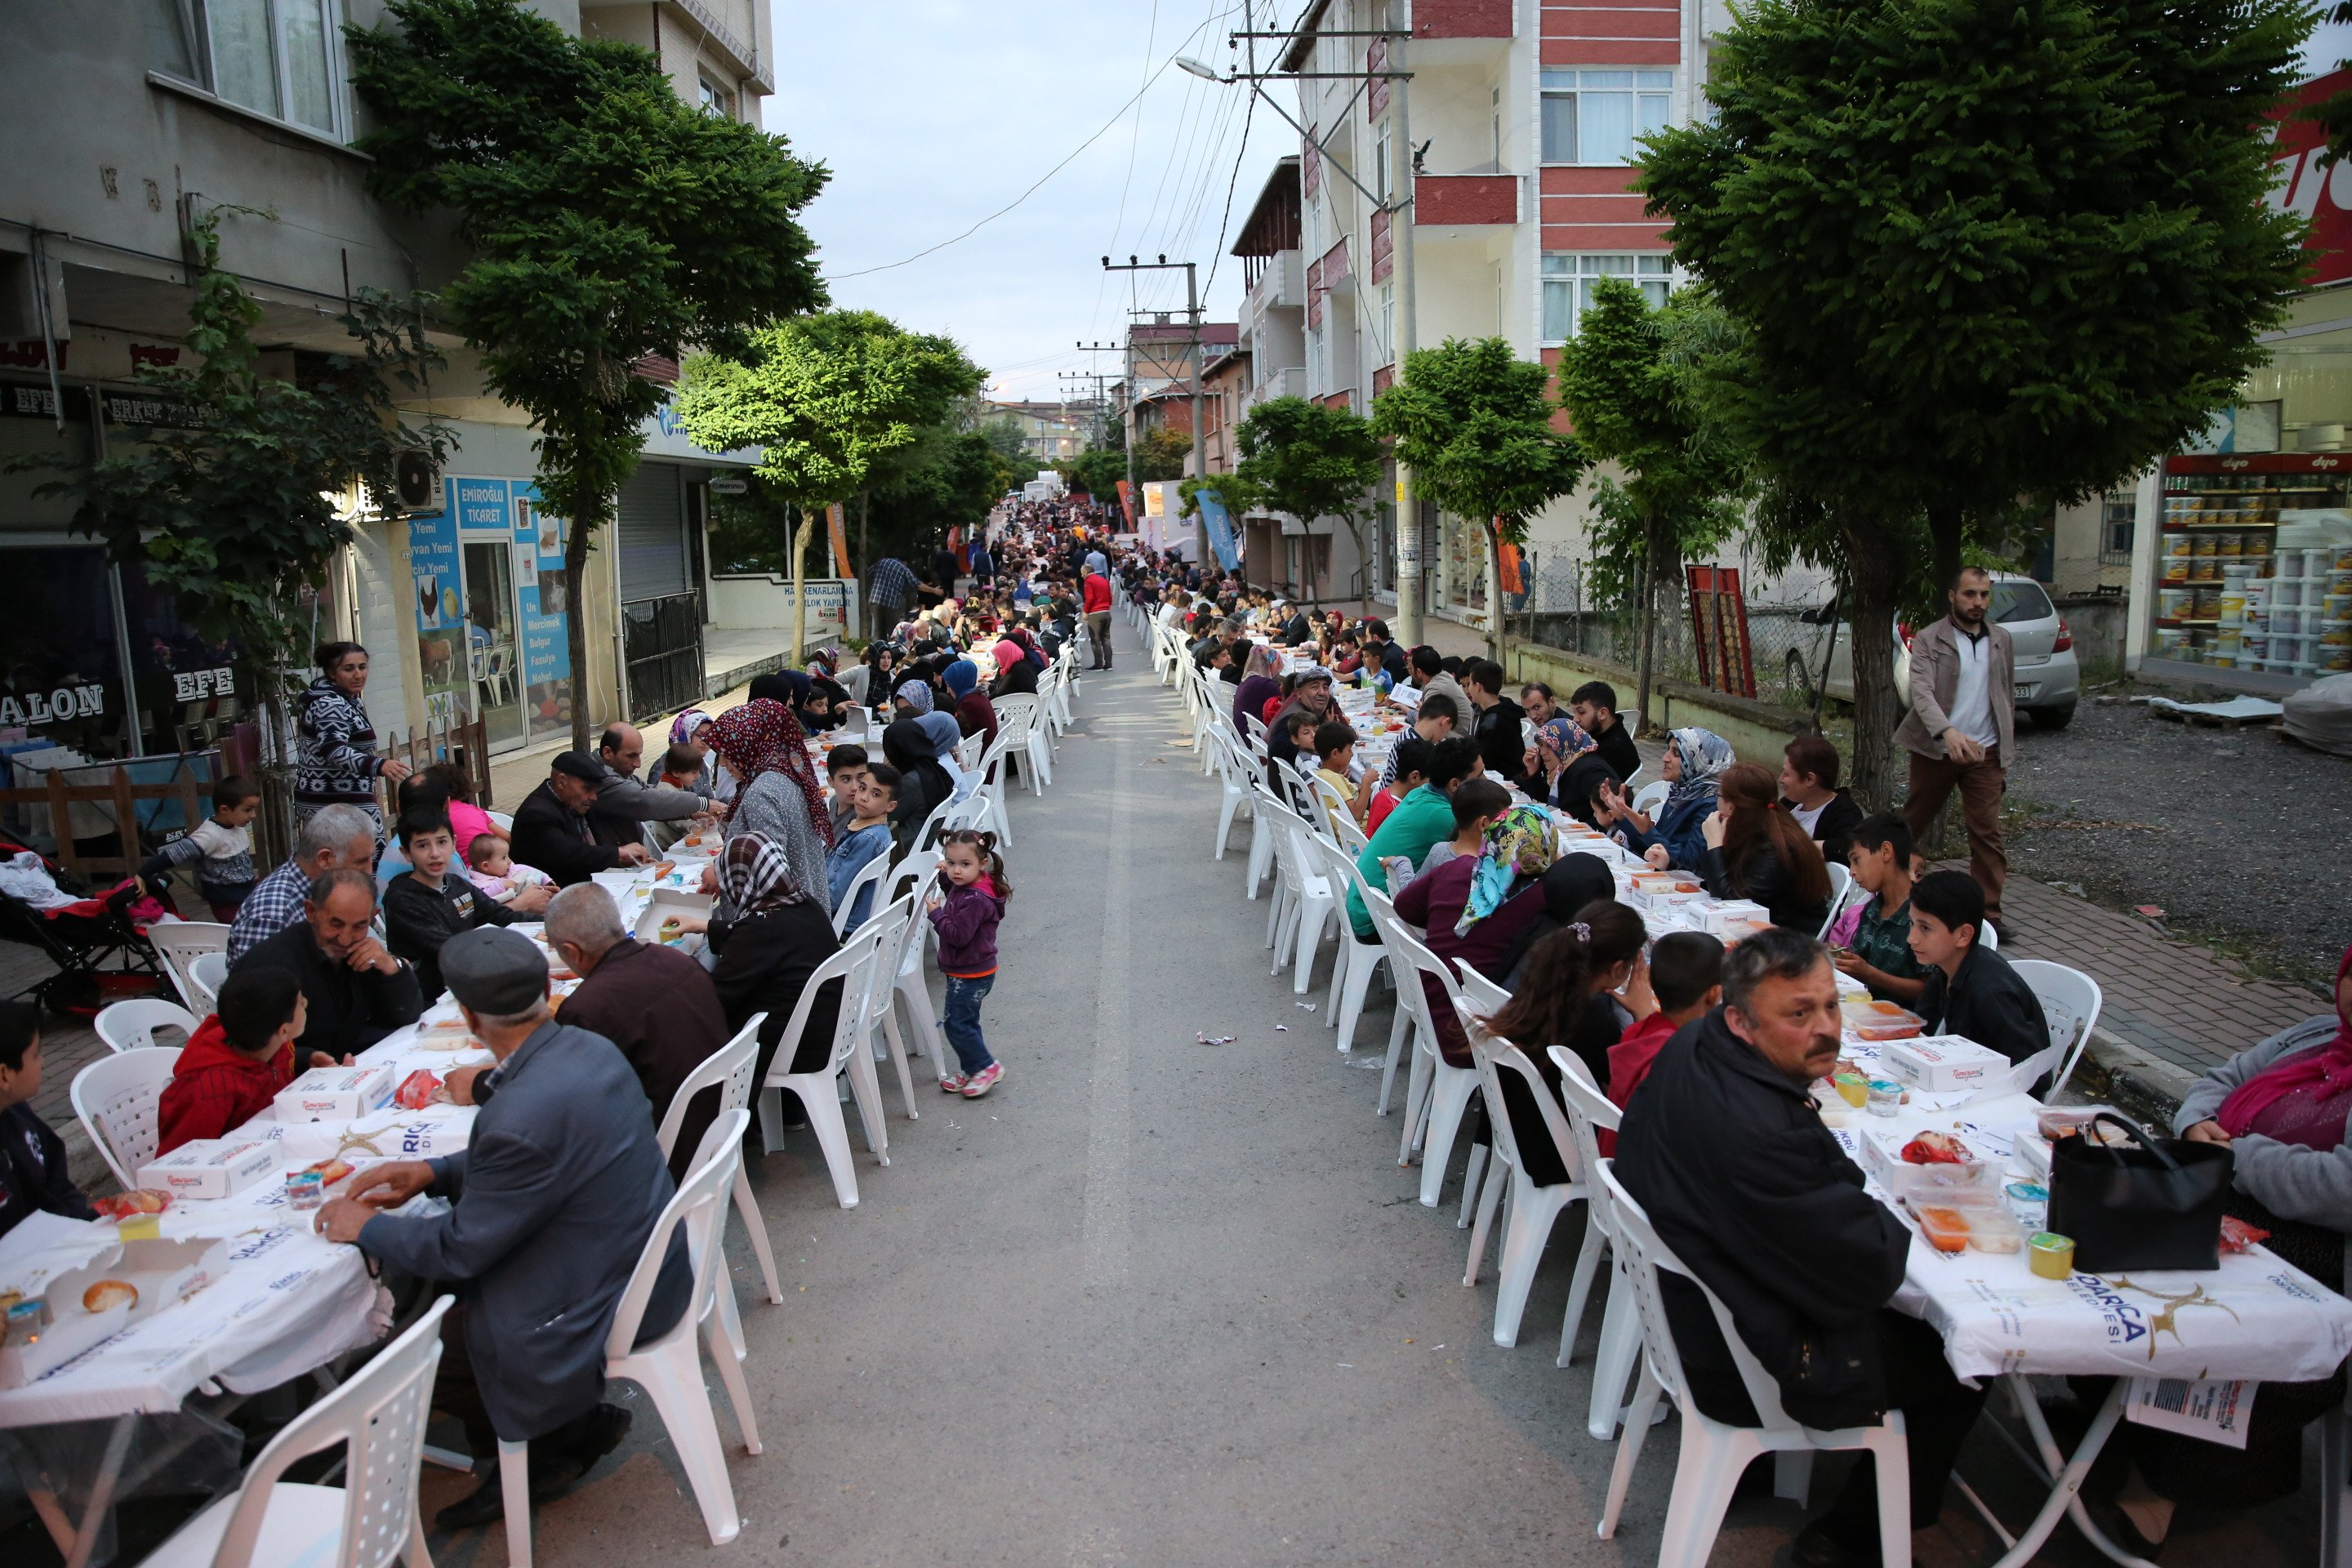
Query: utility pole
{"points": [[1121, 350], [1409, 597], [1199, 454]]}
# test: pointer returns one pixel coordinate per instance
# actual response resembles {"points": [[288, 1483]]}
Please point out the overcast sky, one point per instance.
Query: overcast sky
{"points": [[932, 114]]}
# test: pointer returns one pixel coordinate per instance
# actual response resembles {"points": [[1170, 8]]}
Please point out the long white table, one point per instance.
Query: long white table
{"points": [[289, 1302]]}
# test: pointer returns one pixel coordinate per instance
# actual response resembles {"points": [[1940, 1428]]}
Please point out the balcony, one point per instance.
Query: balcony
{"points": [[1290, 382], [1281, 287], [1459, 32], [1464, 201]]}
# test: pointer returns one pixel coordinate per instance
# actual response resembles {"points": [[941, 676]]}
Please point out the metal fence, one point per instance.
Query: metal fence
{"points": [[1787, 652], [661, 643]]}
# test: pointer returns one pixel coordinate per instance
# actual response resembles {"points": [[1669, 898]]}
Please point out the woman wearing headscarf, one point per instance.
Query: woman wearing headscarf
{"points": [[923, 785], [789, 686], [1016, 672], [974, 713], [1560, 741], [1676, 837], [914, 697], [1475, 907], [778, 794], [1259, 682], [946, 735], [2283, 1108], [777, 935]]}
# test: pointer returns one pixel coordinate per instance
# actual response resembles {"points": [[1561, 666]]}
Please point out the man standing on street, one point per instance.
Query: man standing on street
{"points": [[889, 590], [1960, 728], [1097, 590]]}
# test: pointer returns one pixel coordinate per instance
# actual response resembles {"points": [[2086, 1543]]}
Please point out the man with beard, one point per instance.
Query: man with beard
{"points": [[1960, 728]]}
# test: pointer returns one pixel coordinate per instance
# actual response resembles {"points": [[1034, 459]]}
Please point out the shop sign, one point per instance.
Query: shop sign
{"points": [[197, 685], [2303, 181], [48, 707]]}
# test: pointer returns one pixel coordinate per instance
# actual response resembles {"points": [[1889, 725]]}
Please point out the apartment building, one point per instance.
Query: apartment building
{"points": [[1050, 432], [720, 54], [1157, 391], [1523, 115], [129, 119]]}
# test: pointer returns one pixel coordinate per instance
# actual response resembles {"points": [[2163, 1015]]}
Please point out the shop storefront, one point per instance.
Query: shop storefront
{"points": [[2242, 578], [492, 616]]}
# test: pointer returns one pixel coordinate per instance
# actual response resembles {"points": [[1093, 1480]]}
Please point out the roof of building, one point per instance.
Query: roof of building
{"points": [[1271, 225], [1295, 58]]}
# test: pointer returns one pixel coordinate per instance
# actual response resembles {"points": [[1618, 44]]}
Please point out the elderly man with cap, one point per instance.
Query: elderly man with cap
{"points": [[558, 829], [552, 1201]]}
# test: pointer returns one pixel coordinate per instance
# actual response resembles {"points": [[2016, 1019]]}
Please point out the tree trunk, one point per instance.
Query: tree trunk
{"points": [[1363, 564], [800, 531], [1876, 578], [864, 535], [1944, 531], [1646, 672], [576, 582], [1494, 592]]}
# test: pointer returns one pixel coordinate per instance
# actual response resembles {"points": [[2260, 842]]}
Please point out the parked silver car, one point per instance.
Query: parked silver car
{"points": [[2049, 681]]}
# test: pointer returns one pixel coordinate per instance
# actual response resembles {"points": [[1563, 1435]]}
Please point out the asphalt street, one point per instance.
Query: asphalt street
{"points": [[1153, 1301]]}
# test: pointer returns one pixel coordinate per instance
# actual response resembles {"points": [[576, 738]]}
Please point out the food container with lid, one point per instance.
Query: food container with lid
{"points": [[2335, 633], [1943, 1062], [1973, 1180], [2171, 604], [1945, 1228], [1993, 1230], [2051, 1256], [334, 1094], [1871, 1019], [210, 1167]]}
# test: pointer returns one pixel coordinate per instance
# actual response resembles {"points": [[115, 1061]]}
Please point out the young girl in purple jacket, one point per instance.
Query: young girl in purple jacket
{"points": [[966, 909]]}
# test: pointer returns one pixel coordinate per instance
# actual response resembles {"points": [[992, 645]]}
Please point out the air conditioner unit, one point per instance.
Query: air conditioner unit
{"points": [[419, 482]]}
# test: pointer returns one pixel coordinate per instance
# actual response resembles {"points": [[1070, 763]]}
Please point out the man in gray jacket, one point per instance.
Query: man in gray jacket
{"points": [[551, 1203], [1961, 726], [623, 802]]}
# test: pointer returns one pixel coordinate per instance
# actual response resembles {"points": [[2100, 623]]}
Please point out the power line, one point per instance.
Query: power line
{"points": [[1038, 183]]}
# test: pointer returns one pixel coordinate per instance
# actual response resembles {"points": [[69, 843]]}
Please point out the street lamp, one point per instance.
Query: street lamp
{"points": [[1206, 72]]}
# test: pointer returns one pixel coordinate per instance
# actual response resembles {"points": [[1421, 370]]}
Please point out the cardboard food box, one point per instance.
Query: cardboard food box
{"points": [[1735, 917], [335, 1094], [1943, 1062], [211, 1167], [162, 1273]]}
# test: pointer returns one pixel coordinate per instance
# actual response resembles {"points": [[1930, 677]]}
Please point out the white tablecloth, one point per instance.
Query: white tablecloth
{"points": [[289, 1301]]}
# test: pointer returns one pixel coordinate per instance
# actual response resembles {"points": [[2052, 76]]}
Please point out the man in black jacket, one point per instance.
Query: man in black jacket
{"points": [[1502, 742], [1725, 1151], [1971, 990], [1382, 653], [358, 992], [1593, 705], [554, 829]]}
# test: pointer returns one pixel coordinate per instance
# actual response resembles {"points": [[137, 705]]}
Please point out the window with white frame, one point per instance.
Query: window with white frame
{"points": [[1388, 322], [1593, 117], [1569, 280], [278, 57], [1380, 160], [717, 102]]}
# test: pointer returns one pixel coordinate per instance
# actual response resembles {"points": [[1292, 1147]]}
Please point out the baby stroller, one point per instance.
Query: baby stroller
{"points": [[101, 955]]}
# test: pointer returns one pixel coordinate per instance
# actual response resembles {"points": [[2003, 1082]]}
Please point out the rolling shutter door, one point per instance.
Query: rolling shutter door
{"points": [[653, 534]]}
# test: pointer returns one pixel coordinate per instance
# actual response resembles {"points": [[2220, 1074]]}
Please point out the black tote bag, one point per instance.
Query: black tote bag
{"points": [[2157, 1205]]}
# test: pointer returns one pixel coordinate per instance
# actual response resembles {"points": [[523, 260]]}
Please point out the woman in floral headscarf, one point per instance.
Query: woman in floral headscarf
{"points": [[774, 938], [1561, 746], [1475, 907], [1676, 837], [778, 794], [914, 699]]}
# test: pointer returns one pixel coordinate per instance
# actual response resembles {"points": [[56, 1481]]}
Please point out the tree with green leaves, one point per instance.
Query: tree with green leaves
{"points": [[610, 223], [1976, 251], [1474, 425], [1160, 454], [238, 511], [1309, 459], [827, 395], [1096, 471], [1004, 437], [1634, 404]]}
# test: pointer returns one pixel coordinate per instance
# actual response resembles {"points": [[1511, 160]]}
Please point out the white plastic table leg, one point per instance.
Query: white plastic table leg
{"points": [[514, 1487]]}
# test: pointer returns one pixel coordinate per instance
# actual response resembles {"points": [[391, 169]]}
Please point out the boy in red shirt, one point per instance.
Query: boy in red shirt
{"points": [[237, 1060], [1685, 975]]}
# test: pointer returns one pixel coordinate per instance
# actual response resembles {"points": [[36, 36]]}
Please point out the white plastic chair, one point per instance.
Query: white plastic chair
{"points": [[1590, 1112], [1651, 796], [205, 973], [1436, 1093], [501, 820], [819, 1092], [896, 923], [670, 1368], [729, 1069], [2070, 1001], [1840, 885], [117, 1097], [131, 1025], [1534, 1207], [1017, 713], [1352, 971], [179, 944], [1237, 776], [1988, 938], [1714, 1455], [1482, 995], [378, 1418], [869, 876]]}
